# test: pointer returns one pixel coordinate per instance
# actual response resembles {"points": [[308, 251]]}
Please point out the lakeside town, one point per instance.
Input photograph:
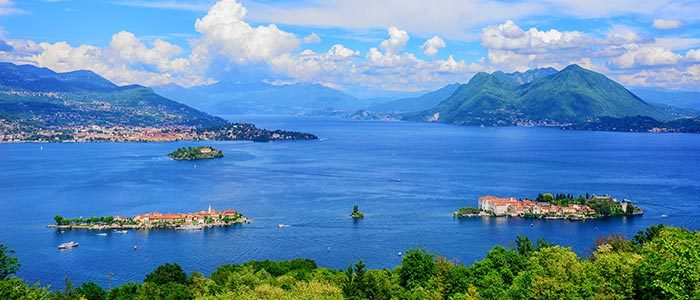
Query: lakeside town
{"points": [[13, 132], [550, 206], [180, 221]]}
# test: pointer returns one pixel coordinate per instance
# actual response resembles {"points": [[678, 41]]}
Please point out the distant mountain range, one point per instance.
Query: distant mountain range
{"points": [[42, 97], [573, 94], [681, 99], [413, 104], [238, 98]]}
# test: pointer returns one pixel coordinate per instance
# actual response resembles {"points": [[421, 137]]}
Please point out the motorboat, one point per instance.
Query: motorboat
{"points": [[68, 245], [121, 231], [189, 227], [102, 234]]}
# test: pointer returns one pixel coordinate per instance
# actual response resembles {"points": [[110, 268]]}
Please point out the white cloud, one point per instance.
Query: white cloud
{"points": [[450, 18], [693, 55], [8, 7], [645, 56], [509, 36], [396, 42], [433, 45], [667, 24], [224, 32], [312, 38], [126, 60], [198, 6], [511, 48]]}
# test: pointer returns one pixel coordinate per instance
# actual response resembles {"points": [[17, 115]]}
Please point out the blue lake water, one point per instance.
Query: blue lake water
{"points": [[406, 177]]}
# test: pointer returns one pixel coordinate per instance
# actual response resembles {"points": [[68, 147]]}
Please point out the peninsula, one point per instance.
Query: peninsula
{"points": [[194, 153], [191, 220], [550, 206]]}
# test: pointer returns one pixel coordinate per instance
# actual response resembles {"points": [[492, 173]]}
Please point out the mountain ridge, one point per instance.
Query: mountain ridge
{"points": [[573, 94]]}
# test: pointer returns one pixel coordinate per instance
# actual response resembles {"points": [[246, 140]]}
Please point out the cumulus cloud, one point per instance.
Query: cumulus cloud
{"points": [[433, 45], [645, 56], [396, 42], [666, 24], [311, 39], [126, 60], [511, 48], [224, 32], [509, 36], [225, 40]]}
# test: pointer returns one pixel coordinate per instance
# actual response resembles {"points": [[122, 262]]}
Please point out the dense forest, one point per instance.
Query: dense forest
{"points": [[657, 263]]}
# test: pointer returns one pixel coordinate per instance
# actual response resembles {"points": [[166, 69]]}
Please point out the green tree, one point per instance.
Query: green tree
{"points": [[671, 265], [125, 291], [613, 271], [553, 273], [524, 245], [417, 266], [91, 291], [647, 235], [16, 288], [167, 273], [360, 284], [9, 265]]}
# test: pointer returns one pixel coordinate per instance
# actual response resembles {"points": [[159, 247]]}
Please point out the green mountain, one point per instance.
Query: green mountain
{"points": [[42, 97], [573, 94], [531, 75]]}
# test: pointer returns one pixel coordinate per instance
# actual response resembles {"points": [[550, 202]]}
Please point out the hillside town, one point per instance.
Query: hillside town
{"points": [[190, 220], [21, 132], [549, 206]]}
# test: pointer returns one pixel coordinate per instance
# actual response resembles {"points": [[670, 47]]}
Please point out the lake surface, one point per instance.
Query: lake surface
{"points": [[406, 177]]}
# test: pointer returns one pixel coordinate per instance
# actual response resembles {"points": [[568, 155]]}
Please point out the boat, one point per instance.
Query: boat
{"points": [[102, 234], [68, 245], [121, 231], [282, 225], [664, 216], [189, 227]]}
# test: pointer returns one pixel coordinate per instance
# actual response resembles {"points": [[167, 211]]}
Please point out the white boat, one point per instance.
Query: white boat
{"points": [[121, 231], [102, 234], [189, 227], [282, 225], [68, 245]]}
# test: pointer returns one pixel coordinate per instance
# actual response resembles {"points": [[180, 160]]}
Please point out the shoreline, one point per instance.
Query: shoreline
{"points": [[147, 227]]}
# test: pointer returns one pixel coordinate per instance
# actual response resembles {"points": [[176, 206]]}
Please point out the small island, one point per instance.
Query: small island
{"points": [[194, 153], [551, 206], [190, 221], [356, 214]]}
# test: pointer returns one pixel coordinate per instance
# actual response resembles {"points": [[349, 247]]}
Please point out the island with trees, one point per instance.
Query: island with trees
{"points": [[551, 206], [191, 220], [195, 153], [657, 263], [356, 213]]}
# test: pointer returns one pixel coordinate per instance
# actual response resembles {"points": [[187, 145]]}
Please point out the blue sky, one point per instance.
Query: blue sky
{"points": [[362, 46]]}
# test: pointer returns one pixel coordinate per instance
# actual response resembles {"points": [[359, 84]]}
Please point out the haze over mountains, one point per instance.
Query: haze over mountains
{"points": [[259, 97]]}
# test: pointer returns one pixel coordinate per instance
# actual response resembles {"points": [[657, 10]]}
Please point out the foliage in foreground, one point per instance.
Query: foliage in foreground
{"points": [[658, 263]]}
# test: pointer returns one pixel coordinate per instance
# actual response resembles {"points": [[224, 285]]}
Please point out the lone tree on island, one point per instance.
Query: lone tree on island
{"points": [[356, 212]]}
